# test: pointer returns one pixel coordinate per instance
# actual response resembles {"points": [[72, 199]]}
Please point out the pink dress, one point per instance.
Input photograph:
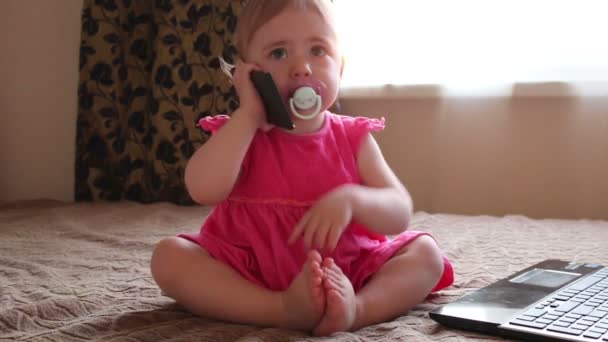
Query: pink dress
{"points": [[282, 175]]}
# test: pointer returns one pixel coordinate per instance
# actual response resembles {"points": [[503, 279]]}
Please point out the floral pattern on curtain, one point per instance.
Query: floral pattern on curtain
{"points": [[149, 70]]}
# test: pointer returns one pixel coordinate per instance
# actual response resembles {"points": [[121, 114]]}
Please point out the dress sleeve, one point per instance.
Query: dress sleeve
{"points": [[213, 123], [360, 126]]}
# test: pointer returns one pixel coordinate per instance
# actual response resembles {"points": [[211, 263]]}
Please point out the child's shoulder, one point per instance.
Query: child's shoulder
{"points": [[361, 123], [213, 123]]}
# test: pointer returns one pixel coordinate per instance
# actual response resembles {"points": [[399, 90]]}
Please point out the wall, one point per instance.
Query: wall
{"points": [[39, 68], [537, 150]]}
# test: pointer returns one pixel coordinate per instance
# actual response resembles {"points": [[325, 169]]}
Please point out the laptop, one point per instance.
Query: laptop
{"points": [[553, 300]]}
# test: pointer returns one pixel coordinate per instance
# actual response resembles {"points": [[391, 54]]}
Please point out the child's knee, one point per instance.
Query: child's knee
{"points": [[429, 255], [164, 257]]}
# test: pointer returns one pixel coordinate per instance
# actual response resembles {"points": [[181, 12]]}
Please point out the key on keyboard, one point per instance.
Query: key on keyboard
{"points": [[580, 309]]}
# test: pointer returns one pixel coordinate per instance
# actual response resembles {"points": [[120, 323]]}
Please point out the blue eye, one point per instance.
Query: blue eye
{"points": [[278, 53], [318, 51]]}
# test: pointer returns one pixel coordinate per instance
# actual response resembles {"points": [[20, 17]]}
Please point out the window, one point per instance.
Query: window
{"points": [[473, 43]]}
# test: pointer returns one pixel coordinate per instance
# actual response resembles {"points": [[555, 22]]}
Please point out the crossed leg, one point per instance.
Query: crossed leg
{"points": [[207, 287], [403, 282]]}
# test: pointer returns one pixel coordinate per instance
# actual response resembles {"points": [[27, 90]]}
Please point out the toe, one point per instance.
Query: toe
{"points": [[314, 255], [328, 262]]}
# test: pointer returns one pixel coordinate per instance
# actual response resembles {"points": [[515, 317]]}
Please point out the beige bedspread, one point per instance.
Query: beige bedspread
{"points": [[79, 272]]}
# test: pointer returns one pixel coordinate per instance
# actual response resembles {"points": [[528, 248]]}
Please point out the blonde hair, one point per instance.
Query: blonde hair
{"points": [[256, 13]]}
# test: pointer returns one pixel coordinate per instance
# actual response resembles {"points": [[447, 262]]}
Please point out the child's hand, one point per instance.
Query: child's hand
{"points": [[324, 222], [249, 99]]}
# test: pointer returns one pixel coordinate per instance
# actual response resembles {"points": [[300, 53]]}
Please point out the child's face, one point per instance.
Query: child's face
{"points": [[298, 47]]}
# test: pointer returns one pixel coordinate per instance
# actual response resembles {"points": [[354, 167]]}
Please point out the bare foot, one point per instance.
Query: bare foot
{"points": [[340, 307], [304, 300]]}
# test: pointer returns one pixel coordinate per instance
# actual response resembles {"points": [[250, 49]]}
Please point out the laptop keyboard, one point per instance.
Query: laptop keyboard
{"points": [[579, 309]]}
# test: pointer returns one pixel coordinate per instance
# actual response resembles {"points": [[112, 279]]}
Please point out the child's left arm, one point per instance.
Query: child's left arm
{"points": [[382, 203]]}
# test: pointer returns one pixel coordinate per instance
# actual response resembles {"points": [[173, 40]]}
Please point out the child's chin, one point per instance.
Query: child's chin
{"points": [[304, 113]]}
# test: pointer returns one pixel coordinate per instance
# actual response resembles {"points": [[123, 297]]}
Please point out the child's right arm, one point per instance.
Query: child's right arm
{"points": [[214, 168]]}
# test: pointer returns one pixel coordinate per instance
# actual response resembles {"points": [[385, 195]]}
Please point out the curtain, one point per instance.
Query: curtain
{"points": [[149, 70]]}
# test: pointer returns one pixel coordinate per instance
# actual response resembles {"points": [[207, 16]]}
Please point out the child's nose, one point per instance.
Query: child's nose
{"points": [[300, 68]]}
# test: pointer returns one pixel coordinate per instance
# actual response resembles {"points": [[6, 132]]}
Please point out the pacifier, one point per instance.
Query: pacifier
{"points": [[305, 98]]}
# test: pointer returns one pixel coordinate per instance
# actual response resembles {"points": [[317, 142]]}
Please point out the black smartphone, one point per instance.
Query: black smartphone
{"points": [[276, 111]]}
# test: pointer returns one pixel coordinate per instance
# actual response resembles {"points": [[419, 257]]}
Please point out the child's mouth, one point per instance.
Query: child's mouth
{"points": [[315, 87], [304, 102]]}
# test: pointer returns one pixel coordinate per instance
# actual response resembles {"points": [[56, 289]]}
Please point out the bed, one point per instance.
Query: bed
{"points": [[79, 272]]}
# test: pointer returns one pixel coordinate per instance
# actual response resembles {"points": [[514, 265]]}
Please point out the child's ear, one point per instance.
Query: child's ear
{"points": [[342, 60]]}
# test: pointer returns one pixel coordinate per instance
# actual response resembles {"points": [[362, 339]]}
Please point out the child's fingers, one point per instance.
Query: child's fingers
{"points": [[309, 233], [267, 127], [242, 72], [295, 234], [333, 237], [298, 229], [321, 236]]}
